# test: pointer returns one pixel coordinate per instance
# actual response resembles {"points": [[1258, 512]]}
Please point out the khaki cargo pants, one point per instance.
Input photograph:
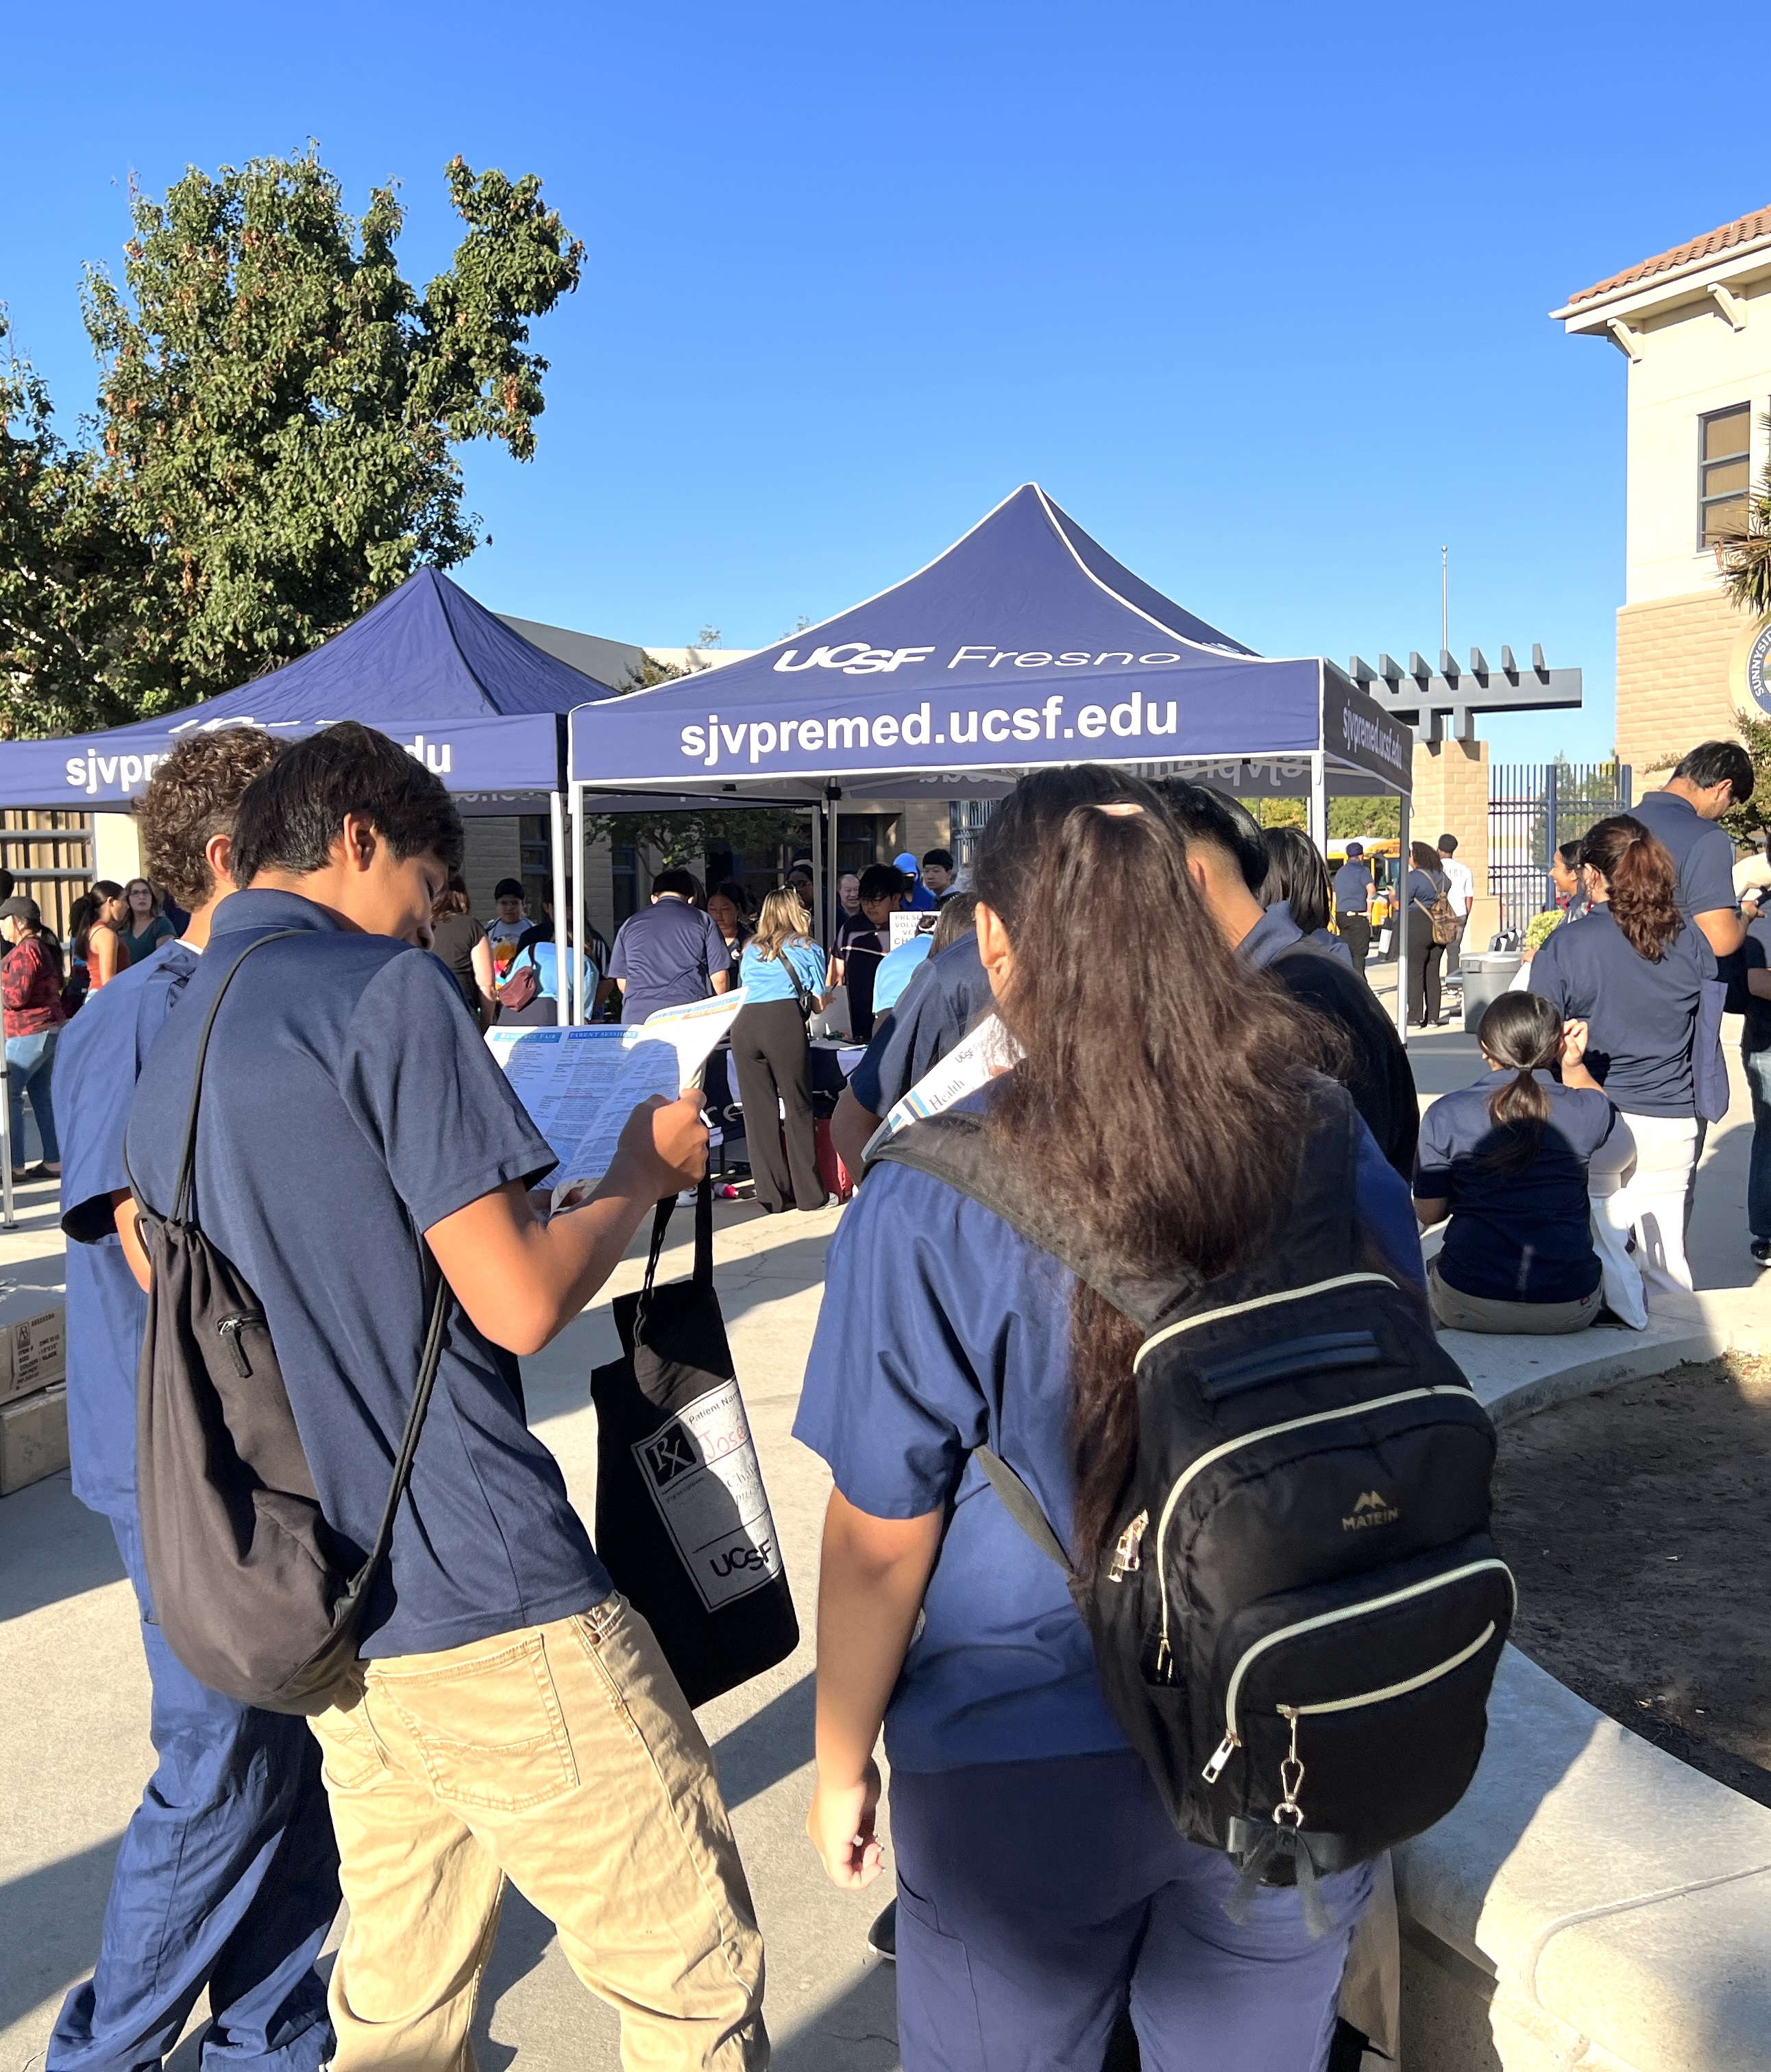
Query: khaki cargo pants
{"points": [[564, 1758]]}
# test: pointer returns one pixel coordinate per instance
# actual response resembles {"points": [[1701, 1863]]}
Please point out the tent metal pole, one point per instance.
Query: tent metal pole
{"points": [[1401, 919], [817, 871], [578, 1013], [1319, 801], [8, 1221], [565, 932], [832, 793]]}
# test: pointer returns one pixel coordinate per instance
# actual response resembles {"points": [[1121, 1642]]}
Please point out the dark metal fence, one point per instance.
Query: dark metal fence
{"points": [[1533, 808]]}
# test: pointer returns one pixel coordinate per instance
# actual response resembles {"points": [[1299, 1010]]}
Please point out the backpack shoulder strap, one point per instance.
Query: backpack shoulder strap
{"points": [[181, 1195], [1019, 1502], [953, 1148]]}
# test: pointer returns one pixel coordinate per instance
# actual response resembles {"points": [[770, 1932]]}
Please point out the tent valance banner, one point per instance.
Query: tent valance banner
{"points": [[1025, 643], [428, 665]]}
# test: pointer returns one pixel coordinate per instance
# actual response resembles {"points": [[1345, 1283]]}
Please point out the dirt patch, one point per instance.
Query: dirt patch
{"points": [[1638, 1523]]}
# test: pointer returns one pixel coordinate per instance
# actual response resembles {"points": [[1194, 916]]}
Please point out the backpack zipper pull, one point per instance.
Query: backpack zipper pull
{"points": [[1290, 1777], [1226, 1748], [230, 1328], [1126, 1555]]}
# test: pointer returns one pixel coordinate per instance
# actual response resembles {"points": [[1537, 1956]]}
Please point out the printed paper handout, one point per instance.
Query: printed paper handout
{"points": [[580, 1085], [989, 1049]]}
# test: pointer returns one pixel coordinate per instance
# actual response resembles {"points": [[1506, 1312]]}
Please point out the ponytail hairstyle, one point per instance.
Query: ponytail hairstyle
{"points": [[1522, 1031], [1642, 880], [1296, 874], [88, 912], [1143, 1082]]}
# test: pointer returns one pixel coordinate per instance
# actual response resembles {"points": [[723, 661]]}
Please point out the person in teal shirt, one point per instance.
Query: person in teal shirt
{"points": [[785, 976]]}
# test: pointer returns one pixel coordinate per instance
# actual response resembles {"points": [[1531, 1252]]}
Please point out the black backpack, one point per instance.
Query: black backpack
{"points": [[1301, 1619], [251, 1592]]}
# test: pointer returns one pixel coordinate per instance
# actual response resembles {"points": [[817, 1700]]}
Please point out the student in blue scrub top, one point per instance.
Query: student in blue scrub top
{"points": [[1041, 1888], [1634, 970], [1508, 1161], [227, 1877], [783, 973]]}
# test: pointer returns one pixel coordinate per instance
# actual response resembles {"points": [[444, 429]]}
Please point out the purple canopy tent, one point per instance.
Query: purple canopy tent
{"points": [[1024, 644]]}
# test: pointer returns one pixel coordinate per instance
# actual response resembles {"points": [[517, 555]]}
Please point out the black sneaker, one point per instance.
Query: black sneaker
{"points": [[1761, 1251], [883, 1936]]}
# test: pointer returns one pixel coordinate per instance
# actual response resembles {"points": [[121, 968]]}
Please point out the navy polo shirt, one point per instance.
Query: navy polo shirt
{"points": [[97, 1061], [1352, 888], [942, 1330], [942, 1006], [669, 954], [1641, 1015], [348, 1104], [1524, 1236], [1275, 930], [1700, 848]]}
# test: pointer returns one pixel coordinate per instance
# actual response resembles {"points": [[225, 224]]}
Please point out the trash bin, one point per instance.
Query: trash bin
{"points": [[1487, 975]]}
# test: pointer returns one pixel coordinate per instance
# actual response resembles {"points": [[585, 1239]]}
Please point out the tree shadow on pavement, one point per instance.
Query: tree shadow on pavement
{"points": [[770, 1745], [52, 1547]]}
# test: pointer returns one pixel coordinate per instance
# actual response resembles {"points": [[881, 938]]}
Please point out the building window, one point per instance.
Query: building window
{"points": [[1724, 439]]}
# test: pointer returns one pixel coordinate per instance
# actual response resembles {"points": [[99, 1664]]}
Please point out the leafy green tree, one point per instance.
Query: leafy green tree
{"points": [[68, 576], [1745, 561], [277, 412]]}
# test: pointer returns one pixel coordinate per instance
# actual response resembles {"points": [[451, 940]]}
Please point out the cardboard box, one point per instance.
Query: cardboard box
{"points": [[33, 1354], [33, 1438]]}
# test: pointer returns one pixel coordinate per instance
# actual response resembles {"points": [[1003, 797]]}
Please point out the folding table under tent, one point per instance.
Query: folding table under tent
{"points": [[1097, 666]]}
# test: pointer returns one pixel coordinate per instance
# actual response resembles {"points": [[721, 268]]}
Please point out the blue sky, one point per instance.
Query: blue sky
{"points": [[1258, 294]]}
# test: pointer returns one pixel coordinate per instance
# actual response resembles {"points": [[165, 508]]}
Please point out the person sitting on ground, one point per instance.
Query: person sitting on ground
{"points": [[462, 943], [785, 975], [1041, 1887], [145, 927], [1226, 855], [1508, 1159], [937, 872], [671, 955], [862, 943], [516, 1720], [1633, 971], [1297, 879], [95, 930], [30, 976], [945, 1000]]}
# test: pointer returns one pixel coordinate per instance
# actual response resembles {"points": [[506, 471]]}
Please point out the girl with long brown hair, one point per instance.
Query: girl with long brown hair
{"points": [[1508, 1159], [1162, 1100], [1633, 970]]}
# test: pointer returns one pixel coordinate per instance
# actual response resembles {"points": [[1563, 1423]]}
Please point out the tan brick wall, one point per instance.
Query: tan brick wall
{"points": [[1673, 680], [1451, 797]]}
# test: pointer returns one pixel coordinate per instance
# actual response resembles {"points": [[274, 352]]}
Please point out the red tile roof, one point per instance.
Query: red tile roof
{"points": [[1747, 231]]}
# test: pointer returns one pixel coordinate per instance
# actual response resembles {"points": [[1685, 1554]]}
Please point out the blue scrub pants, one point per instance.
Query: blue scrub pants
{"points": [[1037, 1899], [1758, 1177], [227, 1878]]}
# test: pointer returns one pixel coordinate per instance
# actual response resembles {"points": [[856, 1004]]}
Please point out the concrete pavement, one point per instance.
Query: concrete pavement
{"points": [[73, 1746]]}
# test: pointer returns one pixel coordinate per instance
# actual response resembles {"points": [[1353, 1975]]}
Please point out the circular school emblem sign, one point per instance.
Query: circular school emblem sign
{"points": [[1749, 671]]}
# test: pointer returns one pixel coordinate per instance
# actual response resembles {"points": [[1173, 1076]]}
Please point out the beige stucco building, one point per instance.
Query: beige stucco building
{"points": [[1695, 325]]}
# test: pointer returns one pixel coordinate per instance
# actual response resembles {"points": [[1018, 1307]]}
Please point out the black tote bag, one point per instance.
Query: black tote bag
{"points": [[682, 1518]]}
